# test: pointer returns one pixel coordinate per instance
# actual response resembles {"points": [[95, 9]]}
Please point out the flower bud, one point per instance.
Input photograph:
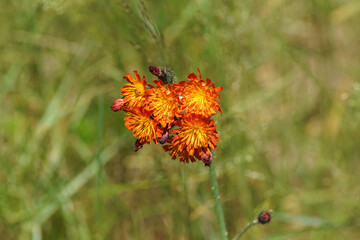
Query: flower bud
{"points": [[117, 105], [264, 217], [166, 76], [155, 70], [206, 158], [138, 145], [164, 137]]}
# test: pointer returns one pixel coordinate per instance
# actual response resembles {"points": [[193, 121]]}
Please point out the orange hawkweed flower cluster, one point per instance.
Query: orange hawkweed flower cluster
{"points": [[177, 115]]}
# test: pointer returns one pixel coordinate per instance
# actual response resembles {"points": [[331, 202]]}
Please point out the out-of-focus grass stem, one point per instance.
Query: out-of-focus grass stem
{"points": [[99, 147]]}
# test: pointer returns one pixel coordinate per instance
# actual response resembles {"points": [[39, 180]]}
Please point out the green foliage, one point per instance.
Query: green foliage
{"points": [[289, 132]]}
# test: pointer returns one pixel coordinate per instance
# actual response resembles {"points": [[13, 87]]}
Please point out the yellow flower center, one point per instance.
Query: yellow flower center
{"points": [[139, 90]]}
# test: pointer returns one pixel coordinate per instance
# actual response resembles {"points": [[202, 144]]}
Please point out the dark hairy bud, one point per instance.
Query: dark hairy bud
{"points": [[164, 137], [163, 74], [206, 158], [138, 145], [155, 70], [264, 217]]}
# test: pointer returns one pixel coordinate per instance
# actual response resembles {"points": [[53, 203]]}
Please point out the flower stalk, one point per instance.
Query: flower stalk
{"points": [[263, 218], [216, 196], [245, 229]]}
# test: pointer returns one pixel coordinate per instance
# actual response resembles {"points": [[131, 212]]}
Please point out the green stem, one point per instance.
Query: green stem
{"points": [[216, 196], [188, 227], [245, 229]]}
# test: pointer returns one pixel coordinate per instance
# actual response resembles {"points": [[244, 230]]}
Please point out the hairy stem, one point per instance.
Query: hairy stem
{"points": [[216, 196], [245, 229]]}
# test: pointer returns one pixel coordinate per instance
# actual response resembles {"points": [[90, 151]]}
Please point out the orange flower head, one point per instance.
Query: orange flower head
{"points": [[135, 91], [194, 134], [174, 151], [163, 104], [144, 127], [198, 96]]}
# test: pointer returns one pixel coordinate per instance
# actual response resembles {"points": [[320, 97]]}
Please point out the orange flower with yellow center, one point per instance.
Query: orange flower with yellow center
{"points": [[135, 91], [140, 122], [194, 134], [198, 97], [174, 151], [163, 104]]}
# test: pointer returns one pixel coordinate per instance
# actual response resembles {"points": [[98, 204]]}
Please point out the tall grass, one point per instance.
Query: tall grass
{"points": [[289, 132]]}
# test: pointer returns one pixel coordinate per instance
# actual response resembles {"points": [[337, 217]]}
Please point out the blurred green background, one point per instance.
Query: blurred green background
{"points": [[289, 132]]}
